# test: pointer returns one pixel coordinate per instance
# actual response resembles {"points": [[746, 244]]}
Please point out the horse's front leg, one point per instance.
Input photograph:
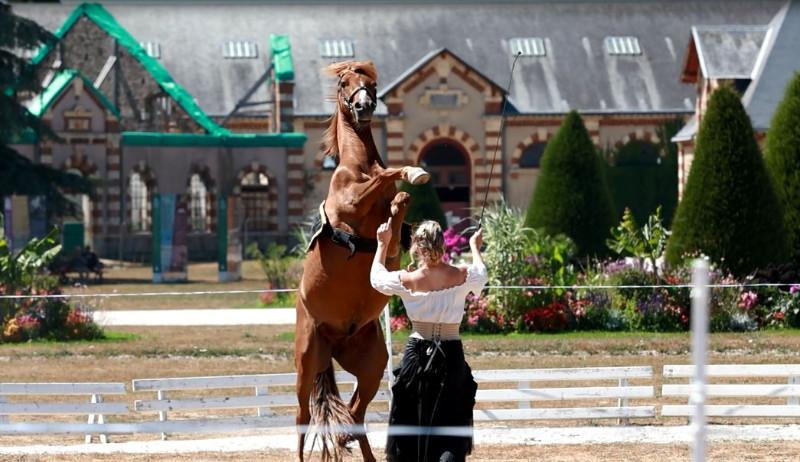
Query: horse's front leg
{"points": [[398, 211], [362, 196]]}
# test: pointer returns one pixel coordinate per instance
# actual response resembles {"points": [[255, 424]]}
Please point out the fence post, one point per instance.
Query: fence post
{"points": [[699, 317], [162, 415], [522, 385], [387, 326], [263, 411], [623, 402]]}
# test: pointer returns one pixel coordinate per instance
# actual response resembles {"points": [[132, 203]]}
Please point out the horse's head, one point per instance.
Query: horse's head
{"points": [[356, 93]]}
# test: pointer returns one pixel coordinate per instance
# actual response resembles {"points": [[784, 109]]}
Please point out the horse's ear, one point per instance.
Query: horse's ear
{"points": [[368, 68]]}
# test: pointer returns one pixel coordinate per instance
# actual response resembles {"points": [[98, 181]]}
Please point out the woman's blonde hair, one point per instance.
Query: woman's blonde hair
{"points": [[427, 243]]}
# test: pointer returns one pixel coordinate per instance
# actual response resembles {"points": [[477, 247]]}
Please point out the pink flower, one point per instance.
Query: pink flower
{"points": [[399, 323], [748, 300], [795, 288]]}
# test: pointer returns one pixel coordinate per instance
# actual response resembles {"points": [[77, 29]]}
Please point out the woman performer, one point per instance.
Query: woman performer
{"points": [[433, 386]]}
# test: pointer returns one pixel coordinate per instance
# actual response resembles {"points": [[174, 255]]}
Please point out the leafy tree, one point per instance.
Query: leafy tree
{"points": [[729, 210], [572, 196], [425, 204], [783, 160], [18, 175]]}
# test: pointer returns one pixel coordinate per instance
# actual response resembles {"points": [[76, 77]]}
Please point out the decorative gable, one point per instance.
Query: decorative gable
{"points": [[446, 65]]}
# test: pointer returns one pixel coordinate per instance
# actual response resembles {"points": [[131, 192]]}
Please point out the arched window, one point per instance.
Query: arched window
{"points": [[198, 205], [140, 203], [255, 200], [532, 155]]}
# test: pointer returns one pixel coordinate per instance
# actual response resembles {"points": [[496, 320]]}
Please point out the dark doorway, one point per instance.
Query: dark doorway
{"points": [[449, 167]]}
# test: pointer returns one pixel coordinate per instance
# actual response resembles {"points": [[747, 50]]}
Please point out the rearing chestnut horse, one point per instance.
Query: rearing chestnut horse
{"points": [[337, 308]]}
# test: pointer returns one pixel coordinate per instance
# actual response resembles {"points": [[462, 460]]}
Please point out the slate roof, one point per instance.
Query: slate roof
{"points": [[781, 61], [728, 52], [577, 73]]}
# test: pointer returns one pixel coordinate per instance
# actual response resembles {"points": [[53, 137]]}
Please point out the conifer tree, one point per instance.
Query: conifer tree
{"points": [[572, 196], [18, 174], [783, 160], [729, 210], [425, 204]]}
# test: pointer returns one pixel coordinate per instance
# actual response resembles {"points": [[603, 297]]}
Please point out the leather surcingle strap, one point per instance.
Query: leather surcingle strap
{"points": [[323, 228]]}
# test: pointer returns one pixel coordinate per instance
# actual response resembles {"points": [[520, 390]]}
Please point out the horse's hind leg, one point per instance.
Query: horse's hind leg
{"points": [[364, 355], [312, 356]]}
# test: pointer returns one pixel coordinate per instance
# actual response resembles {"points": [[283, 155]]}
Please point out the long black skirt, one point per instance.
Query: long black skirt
{"points": [[433, 387]]}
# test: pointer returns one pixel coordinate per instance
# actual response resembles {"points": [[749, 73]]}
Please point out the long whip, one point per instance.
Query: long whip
{"points": [[499, 134]]}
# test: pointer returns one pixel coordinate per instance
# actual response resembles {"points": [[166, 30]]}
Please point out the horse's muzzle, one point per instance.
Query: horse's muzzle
{"points": [[363, 108]]}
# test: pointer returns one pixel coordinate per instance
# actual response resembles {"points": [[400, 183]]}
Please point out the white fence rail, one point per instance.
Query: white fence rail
{"points": [[206, 404], [748, 372], [96, 409]]}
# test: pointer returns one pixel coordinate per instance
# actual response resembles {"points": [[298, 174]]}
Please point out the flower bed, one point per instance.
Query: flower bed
{"points": [[625, 300]]}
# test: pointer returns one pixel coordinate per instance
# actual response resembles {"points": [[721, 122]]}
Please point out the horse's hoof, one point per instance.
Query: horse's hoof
{"points": [[416, 175]]}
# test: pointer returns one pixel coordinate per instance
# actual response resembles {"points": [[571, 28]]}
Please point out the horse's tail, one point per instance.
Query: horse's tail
{"points": [[331, 415]]}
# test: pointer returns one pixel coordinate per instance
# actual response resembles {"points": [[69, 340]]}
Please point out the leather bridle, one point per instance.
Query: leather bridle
{"points": [[349, 99]]}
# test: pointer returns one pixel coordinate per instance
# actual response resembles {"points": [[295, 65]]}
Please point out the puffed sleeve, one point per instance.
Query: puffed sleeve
{"points": [[385, 281], [477, 277]]}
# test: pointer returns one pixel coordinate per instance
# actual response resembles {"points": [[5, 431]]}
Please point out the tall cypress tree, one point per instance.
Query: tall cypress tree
{"points": [[18, 175], [572, 195], [425, 204], [729, 210], [783, 160]]}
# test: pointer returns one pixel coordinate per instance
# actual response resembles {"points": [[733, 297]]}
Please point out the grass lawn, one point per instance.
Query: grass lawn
{"points": [[137, 278]]}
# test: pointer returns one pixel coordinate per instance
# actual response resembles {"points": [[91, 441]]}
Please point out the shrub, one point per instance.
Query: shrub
{"points": [[783, 160], [482, 317], [273, 263], [553, 317], [645, 243], [571, 196], [425, 204], [80, 326], [729, 211], [31, 318]]}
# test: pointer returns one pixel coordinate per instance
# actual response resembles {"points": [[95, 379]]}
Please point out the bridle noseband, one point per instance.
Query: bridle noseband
{"points": [[349, 100]]}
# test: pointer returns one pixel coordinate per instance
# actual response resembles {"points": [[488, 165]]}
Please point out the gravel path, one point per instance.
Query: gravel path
{"points": [[203, 317], [284, 439]]}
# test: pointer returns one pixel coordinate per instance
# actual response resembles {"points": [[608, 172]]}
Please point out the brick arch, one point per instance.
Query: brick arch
{"points": [[463, 141], [445, 132], [272, 192], [522, 145]]}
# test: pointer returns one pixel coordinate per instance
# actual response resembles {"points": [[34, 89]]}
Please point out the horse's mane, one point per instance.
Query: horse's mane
{"points": [[329, 146]]}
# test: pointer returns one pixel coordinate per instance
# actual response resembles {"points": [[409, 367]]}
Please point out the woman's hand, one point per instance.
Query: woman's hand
{"points": [[476, 240], [385, 232]]}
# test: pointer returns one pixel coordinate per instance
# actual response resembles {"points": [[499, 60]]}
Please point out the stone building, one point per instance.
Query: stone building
{"points": [[758, 60], [223, 95]]}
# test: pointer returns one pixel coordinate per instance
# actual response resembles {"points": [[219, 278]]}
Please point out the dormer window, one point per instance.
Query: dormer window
{"points": [[78, 120], [528, 46], [238, 49], [337, 48], [622, 46]]}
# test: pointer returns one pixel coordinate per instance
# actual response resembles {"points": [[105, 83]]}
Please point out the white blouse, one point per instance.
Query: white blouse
{"points": [[438, 306]]}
